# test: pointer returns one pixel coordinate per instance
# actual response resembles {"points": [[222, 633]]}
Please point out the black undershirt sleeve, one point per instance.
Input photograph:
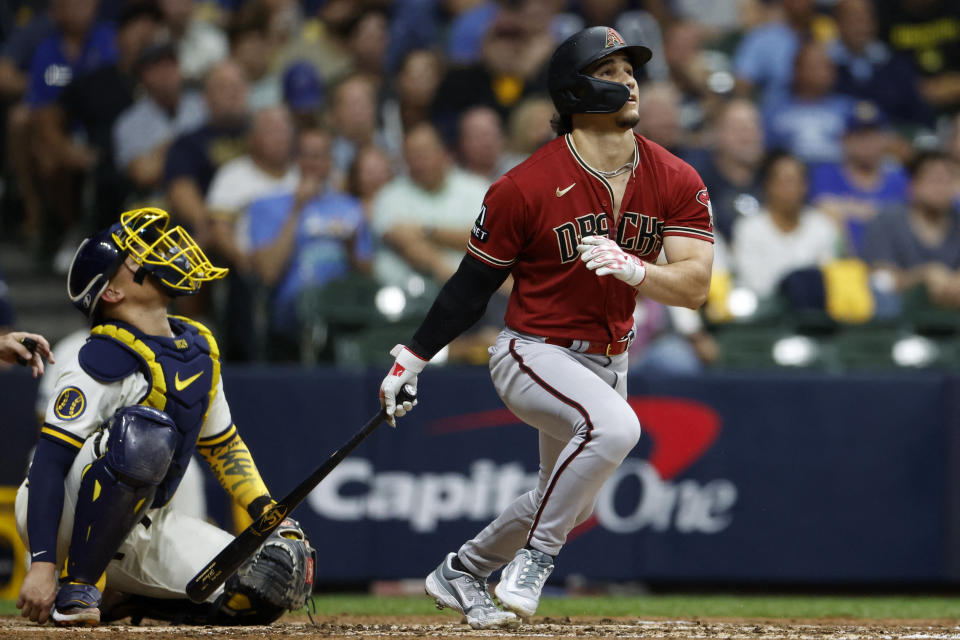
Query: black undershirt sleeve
{"points": [[460, 303], [51, 462]]}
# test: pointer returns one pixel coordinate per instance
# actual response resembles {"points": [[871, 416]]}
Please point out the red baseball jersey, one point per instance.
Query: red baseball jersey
{"points": [[533, 217]]}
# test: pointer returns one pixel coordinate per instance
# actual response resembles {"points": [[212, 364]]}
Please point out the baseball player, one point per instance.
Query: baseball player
{"points": [[129, 410], [580, 225]]}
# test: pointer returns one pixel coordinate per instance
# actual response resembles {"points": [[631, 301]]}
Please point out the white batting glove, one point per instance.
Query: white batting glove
{"points": [[402, 376], [605, 257]]}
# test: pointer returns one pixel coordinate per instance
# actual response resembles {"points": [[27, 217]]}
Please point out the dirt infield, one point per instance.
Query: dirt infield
{"points": [[448, 627]]}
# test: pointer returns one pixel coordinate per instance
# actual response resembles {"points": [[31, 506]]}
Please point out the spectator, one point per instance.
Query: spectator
{"points": [[354, 117], [144, 130], [928, 31], [305, 237], [529, 128], [869, 69], [266, 168], [467, 29], [16, 54], [414, 92], [193, 158], [78, 127], [730, 171], [481, 144], [77, 44], [689, 72], [424, 219], [367, 41], [786, 235], [670, 340], [371, 171], [512, 67], [867, 181], [303, 94], [764, 61], [809, 122], [659, 107], [323, 41], [634, 25], [200, 45], [250, 48], [919, 244]]}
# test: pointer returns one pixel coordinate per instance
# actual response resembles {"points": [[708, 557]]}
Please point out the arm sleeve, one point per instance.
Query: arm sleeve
{"points": [[459, 305], [233, 466], [51, 462], [689, 212]]}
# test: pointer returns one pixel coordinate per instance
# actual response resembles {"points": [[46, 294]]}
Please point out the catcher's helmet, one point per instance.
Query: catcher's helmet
{"points": [[171, 256], [572, 90]]}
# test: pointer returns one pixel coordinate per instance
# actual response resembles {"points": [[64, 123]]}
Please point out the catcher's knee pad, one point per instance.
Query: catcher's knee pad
{"points": [[117, 488], [277, 578]]}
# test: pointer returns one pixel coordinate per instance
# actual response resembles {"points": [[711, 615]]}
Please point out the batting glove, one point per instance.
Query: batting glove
{"points": [[605, 257], [402, 376]]}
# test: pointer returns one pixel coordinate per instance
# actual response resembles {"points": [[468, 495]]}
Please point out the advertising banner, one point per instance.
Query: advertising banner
{"points": [[780, 478]]}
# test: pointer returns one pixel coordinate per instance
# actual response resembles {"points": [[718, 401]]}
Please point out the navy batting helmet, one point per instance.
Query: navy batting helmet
{"points": [[171, 256], [572, 90]]}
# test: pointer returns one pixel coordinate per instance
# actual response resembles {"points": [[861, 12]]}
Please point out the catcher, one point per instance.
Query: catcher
{"points": [[142, 395]]}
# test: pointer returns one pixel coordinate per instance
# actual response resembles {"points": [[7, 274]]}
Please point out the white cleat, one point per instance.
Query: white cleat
{"points": [[466, 593], [521, 582]]}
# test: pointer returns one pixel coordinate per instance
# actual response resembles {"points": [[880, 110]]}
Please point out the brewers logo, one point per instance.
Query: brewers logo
{"points": [[70, 404]]}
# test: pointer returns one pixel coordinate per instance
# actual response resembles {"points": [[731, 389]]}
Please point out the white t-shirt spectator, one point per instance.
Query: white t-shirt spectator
{"points": [[237, 184], [763, 254]]}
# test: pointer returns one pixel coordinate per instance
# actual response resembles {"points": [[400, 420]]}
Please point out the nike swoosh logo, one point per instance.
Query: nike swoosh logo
{"points": [[563, 192], [183, 384], [36, 553]]}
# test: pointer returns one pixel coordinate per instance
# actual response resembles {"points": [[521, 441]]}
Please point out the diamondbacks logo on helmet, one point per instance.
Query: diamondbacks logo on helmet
{"points": [[614, 39]]}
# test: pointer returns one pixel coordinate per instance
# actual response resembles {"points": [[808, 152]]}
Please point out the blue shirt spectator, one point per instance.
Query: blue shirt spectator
{"points": [[465, 36], [52, 68], [810, 121], [765, 60], [809, 129], [833, 181], [307, 238], [866, 181]]}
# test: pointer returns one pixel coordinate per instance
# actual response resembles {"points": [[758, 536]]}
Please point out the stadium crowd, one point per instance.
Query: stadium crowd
{"points": [[334, 153]]}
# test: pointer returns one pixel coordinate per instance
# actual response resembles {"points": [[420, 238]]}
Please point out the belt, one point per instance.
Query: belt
{"points": [[594, 348]]}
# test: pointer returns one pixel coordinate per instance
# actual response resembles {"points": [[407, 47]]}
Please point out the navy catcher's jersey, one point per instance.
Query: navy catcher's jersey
{"points": [[121, 366]]}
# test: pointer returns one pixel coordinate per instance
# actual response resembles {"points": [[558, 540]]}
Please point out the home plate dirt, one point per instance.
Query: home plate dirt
{"points": [[436, 627]]}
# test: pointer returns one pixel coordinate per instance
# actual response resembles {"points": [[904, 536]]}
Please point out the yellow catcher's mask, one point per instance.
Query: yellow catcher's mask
{"points": [[169, 255]]}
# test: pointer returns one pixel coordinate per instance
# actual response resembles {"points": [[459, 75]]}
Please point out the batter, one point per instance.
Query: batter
{"points": [[580, 225]]}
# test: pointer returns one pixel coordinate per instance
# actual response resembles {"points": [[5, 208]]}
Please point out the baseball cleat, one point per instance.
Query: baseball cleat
{"points": [[466, 593], [522, 581], [77, 604]]}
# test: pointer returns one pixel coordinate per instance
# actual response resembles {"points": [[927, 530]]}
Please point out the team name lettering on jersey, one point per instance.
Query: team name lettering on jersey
{"points": [[640, 233], [569, 233], [635, 232]]}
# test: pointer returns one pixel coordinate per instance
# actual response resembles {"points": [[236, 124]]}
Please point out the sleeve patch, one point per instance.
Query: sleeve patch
{"points": [[106, 360], [70, 404], [479, 232], [704, 198]]}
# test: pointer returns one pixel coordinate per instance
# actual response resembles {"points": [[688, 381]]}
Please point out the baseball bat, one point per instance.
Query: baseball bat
{"points": [[202, 585]]}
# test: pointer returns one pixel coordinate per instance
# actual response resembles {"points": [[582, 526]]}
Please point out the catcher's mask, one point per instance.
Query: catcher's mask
{"points": [[171, 256]]}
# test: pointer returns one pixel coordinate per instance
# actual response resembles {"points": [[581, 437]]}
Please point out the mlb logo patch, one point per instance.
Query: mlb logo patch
{"points": [[614, 39]]}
